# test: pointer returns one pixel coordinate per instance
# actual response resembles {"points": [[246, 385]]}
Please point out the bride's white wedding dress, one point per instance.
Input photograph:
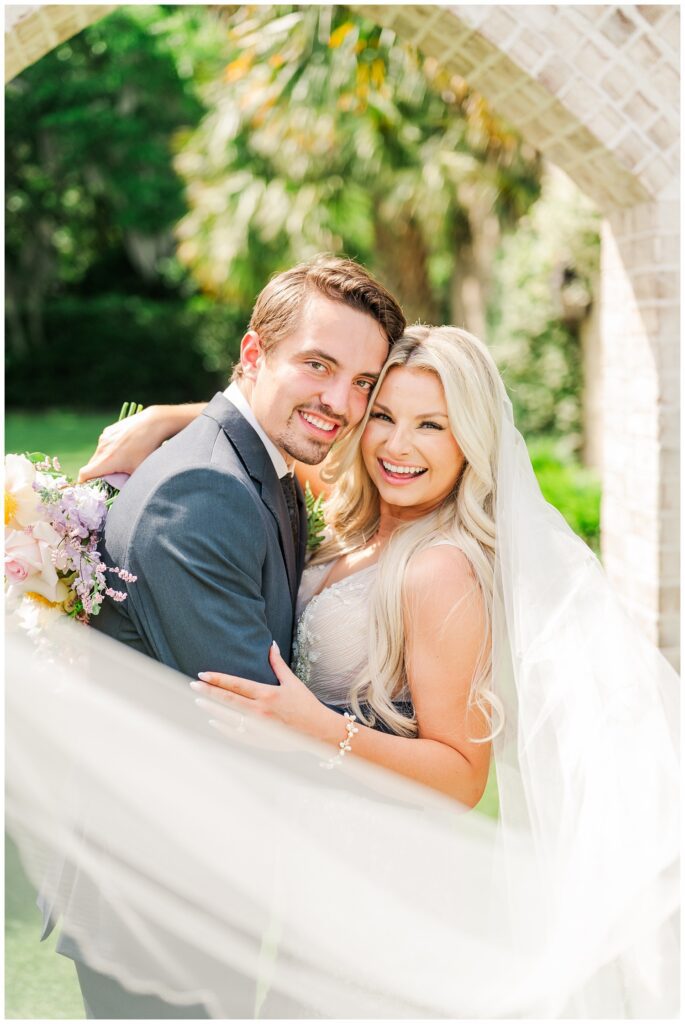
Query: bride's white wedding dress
{"points": [[330, 649], [356, 892], [331, 633]]}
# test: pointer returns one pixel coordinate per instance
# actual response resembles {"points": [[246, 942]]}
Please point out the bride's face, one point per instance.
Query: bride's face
{"points": [[408, 448]]}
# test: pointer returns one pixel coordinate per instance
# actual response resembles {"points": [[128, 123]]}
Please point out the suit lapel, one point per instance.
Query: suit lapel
{"points": [[257, 463]]}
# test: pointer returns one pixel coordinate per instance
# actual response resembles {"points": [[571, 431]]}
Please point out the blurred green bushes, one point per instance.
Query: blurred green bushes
{"points": [[570, 487], [107, 346], [97, 304], [543, 280]]}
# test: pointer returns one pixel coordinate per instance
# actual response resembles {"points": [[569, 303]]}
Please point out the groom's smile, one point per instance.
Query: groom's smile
{"points": [[321, 425]]}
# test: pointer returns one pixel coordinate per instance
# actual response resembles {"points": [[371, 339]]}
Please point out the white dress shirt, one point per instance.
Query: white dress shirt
{"points": [[235, 395]]}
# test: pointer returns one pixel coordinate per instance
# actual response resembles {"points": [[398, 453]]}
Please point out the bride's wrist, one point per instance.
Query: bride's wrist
{"points": [[334, 727], [167, 420], [345, 730]]}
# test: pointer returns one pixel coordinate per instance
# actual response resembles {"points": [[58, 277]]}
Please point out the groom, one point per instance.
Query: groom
{"points": [[213, 523]]}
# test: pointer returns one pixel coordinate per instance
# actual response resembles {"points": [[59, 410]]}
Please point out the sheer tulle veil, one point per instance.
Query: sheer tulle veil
{"points": [[237, 873]]}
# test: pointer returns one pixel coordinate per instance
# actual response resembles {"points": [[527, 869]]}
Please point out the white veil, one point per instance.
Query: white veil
{"points": [[220, 865]]}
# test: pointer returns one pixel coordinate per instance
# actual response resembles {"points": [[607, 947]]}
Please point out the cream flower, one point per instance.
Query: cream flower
{"points": [[22, 504], [55, 592]]}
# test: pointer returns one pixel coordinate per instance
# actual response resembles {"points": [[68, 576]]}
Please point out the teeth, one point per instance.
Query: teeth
{"points": [[407, 470], [321, 424]]}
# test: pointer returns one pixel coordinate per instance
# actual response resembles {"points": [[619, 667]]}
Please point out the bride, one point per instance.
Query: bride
{"points": [[451, 612]]}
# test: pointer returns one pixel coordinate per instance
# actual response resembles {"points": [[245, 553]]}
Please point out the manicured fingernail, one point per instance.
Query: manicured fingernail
{"points": [[206, 676], [274, 644], [194, 685]]}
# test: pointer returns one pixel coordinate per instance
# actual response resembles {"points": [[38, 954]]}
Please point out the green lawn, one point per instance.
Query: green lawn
{"points": [[72, 436]]}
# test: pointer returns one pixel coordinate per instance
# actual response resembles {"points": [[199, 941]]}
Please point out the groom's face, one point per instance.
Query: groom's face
{"points": [[315, 384]]}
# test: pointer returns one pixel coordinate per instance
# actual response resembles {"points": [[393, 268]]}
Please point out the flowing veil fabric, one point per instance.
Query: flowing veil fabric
{"points": [[217, 862]]}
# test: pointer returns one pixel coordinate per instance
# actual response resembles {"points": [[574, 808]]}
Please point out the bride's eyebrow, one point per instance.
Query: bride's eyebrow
{"points": [[421, 416]]}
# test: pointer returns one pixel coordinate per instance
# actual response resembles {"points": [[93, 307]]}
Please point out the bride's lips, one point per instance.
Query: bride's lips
{"points": [[319, 432], [401, 479]]}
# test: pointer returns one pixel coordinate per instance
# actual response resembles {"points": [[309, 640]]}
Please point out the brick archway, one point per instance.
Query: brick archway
{"points": [[596, 90]]}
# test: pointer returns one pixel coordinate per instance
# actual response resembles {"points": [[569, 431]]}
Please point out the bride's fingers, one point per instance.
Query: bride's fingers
{"points": [[218, 695], [235, 684], [99, 465], [88, 472], [279, 665]]}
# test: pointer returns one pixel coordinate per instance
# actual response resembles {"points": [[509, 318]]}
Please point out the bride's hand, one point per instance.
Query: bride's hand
{"points": [[291, 702], [124, 445]]}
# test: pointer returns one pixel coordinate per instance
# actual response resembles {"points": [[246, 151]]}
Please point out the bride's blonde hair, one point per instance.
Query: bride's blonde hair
{"points": [[474, 393]]}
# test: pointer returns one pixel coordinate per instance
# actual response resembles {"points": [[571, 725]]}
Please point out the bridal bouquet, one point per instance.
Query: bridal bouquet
{"points": [[52, 527]]}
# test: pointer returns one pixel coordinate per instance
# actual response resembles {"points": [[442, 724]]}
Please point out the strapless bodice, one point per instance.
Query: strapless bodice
{"points": [[332, 632]]}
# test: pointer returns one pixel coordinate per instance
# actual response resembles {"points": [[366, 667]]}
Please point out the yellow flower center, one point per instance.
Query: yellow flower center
{"points": [[39, 599], [11, 506]]}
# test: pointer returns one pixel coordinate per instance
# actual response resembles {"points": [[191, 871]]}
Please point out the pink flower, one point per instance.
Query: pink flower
{"points": [[15, 571], [22, 550], [33, 552]]}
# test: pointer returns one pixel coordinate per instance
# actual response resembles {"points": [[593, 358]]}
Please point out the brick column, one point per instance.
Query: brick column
{"points": [[640, 333]]}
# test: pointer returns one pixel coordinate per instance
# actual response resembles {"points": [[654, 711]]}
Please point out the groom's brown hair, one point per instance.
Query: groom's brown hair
{"points": [[279, 305]]}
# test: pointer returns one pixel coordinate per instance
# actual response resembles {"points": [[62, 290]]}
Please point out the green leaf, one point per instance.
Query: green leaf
{"points": [[316, 522]]}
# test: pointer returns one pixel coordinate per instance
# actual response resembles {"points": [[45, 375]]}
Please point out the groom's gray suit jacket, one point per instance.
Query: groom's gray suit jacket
{"points": [[203, 524]]}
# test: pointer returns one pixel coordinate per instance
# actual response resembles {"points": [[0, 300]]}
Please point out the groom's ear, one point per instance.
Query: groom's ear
{"points": [[251, 354]]}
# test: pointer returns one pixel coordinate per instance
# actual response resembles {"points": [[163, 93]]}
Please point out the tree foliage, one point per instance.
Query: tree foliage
{"points": [[294, 130], [543, 283], [91, 193], [326, 132]]}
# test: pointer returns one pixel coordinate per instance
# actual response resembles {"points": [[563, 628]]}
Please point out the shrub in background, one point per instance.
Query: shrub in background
{"points": [[160, 351], [543, 279], [570, 487]]}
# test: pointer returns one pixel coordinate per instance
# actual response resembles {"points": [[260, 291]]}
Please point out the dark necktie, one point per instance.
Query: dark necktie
{"points": [[290, 495]]}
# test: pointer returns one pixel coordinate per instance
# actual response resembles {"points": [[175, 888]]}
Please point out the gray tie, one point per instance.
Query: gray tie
{"points": [[290, 495]]}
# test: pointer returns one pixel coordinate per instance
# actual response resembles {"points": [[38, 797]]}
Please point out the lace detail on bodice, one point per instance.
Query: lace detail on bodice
{"points": [[331, 645], [331, 639]]}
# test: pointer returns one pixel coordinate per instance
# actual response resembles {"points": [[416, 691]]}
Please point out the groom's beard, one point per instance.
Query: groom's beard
{"points": [[308, 450]]}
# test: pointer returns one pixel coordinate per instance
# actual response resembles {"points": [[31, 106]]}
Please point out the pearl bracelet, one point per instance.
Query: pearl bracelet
{"points": [[344, 746]]}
